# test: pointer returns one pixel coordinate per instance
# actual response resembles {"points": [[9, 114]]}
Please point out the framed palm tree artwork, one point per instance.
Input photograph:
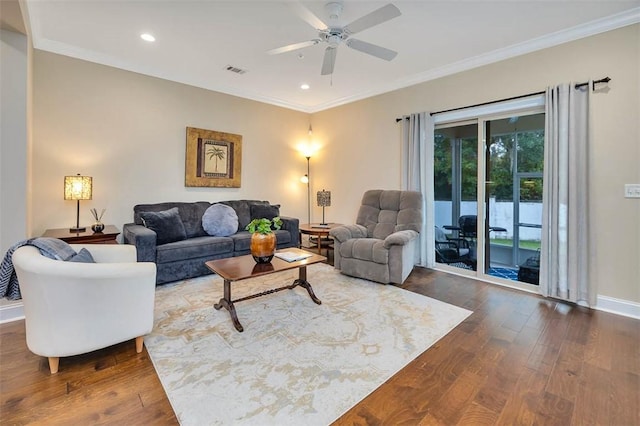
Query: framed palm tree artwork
{"points": [[213, 159]]}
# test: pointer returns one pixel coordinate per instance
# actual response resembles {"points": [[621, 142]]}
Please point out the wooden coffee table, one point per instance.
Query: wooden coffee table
{"points": [[243, 267]]}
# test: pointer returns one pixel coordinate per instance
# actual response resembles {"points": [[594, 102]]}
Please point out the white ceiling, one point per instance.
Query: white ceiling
{"points": [[196, 40]]}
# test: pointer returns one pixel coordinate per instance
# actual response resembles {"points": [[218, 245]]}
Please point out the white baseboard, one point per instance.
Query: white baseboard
{"points": [[11, 312], [622, 307]]}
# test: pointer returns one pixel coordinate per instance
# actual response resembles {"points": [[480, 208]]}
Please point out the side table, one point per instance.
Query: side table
{"points": [[319, 231], [108, 236]]}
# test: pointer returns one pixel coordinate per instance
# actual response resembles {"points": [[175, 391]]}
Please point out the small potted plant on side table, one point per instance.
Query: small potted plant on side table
{"points": [[263, 240]]}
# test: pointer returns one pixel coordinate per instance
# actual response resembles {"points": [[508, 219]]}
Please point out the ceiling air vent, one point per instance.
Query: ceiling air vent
{"points": [[235, 69]]}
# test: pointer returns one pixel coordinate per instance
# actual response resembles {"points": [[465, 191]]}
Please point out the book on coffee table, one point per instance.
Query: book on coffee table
{"points": [[292, 256]]}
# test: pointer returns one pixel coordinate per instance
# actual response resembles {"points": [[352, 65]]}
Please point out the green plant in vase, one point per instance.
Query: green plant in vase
{"points": [[263, 240]]}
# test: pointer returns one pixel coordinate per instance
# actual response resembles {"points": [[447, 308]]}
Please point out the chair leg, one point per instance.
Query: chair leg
{"points": [[54, 361], [139, 342]]}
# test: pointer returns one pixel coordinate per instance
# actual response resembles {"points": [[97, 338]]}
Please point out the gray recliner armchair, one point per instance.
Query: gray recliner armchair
{"points": [[381, 246]]}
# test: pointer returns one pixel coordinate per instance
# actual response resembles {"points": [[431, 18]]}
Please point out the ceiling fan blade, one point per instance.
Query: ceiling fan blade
{"points": [[371, 49], [308, 16], [329, 60], [376, 17], [295, 46]]}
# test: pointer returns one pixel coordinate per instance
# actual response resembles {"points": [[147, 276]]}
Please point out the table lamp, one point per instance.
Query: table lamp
{"points": [[78, 188], [324, 200]]}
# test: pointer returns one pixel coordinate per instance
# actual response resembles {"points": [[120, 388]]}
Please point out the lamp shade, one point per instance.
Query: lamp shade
{"points": [[78, 187], [324, 198]]}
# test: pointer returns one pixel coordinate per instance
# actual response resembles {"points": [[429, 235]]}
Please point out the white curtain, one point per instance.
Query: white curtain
{"points": [[417, 137], [565, 250]]}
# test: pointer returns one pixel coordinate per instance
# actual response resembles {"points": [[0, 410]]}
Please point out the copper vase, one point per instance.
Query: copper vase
{"points": [[263, 246]]}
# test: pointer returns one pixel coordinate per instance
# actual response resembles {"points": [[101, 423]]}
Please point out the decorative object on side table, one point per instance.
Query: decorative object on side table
{"points": [[263, 240], [78, 188], [324, 200], [97, 226]]}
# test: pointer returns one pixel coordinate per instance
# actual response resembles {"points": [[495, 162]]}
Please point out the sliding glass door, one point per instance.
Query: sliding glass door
{"points": [[456, 191], [491, 229]]}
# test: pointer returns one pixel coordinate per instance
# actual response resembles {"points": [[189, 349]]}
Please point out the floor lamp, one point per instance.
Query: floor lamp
{"points": [[305, 179]]}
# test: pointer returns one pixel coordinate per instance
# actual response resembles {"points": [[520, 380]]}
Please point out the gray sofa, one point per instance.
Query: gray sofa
{"points": [[185, 258]]}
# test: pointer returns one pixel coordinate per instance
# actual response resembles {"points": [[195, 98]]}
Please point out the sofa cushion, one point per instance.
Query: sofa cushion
{"points": [[283, 237], [220, 220], [266, 211], [83, 256], [242, 208], [190, 214], [369, 249], [241, 241], [166, 224], [194, 248]]}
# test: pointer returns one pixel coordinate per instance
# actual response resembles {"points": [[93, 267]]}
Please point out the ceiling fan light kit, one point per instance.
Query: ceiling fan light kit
{"points": [[335, 35], [334, 10]]}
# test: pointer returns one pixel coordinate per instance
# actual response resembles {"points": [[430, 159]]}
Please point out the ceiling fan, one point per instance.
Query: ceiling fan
{"points": [[335, 35]]}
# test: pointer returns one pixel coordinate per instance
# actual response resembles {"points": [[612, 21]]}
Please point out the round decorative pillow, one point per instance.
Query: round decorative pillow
{"points": [[220, 220]]}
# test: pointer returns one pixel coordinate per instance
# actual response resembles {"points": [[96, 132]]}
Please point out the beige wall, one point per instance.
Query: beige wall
{"points": [[128, 132], [362, 139], [13, 135]]}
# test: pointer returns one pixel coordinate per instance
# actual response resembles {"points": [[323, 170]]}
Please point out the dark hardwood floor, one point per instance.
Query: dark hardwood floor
{"points": [[518, 359]]}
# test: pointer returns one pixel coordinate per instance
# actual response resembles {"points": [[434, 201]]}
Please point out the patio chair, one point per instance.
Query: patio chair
{"points": [[453, 250], [467, 227]]}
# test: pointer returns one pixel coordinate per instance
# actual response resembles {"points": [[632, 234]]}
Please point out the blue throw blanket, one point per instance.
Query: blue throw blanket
{"points": [[52, 248]]}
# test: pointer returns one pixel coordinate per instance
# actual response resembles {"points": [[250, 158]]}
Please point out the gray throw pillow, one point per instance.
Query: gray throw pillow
{"points": [[266, 211], [220, 220], [166, 224], [83, 256]]}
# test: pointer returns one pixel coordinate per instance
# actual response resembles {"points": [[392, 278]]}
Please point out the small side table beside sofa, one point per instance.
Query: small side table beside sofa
{"points": [[321, 232], [107, 236]]}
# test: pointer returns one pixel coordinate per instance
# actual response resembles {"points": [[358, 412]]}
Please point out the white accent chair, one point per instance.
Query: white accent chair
{"points": [[74, 308]]}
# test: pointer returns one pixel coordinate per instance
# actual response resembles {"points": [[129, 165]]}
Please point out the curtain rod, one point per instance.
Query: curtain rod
{"points": [[593, 84], [577, 86]]}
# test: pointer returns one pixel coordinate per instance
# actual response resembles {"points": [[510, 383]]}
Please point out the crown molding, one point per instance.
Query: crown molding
{"points": [[629, 17]]}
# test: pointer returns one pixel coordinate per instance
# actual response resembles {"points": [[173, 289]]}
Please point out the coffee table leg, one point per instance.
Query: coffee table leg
{"points": [[302, 282], [226, 303]]}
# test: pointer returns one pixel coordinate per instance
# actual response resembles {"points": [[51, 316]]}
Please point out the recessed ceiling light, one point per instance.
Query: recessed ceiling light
{"points": [[305, 86], [147, 37]]}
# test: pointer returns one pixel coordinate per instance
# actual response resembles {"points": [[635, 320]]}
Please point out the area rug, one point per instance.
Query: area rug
{"points": [[296, 362]]}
